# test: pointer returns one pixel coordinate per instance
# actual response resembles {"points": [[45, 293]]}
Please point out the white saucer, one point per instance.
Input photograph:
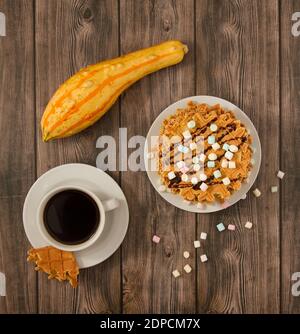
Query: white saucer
{"points": [[98, 182], [177, 200]]}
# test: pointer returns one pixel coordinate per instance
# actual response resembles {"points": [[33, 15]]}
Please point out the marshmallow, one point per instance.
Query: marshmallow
{"points": [[202, 177], [228, 155], [217, 174], [213, 127], [196, 243], [200, 205], [211, 140], [225, 147], [185, 149], [187, 268], [185, 201], [176, 273], [224, 163], [231, 164], [156, 239], [184, 178], [203, 258], [191, 124], [226, 181], [256, 192], [244, 196], [233, 148], [203, 186], [202, 157], [213, 156], [150, 155], [162, 188], [248, 225], [186, 254], [210, 164], [231, 227], [186, 134], [203, 235], [194, 180], [184, 169], [215, 146], [193, 146], [196, 167], [220, 227], [180, 148], [171, 175], [274, 189], [195, 160], [180, 164], [280, 174]]}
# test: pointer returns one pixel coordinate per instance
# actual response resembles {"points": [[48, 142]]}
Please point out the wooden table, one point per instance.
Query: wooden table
{"points": [[243, 51]]}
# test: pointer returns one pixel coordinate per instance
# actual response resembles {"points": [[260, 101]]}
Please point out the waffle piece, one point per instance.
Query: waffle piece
{"points": [[58, 264]]}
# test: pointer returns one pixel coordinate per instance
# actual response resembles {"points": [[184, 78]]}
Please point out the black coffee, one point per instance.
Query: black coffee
{"points": [[71, 217]]}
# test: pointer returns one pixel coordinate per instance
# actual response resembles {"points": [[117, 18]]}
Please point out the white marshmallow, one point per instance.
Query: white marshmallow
{"points": [[215, 146], [180, 164], [176, 273], [226, 181], [233, 148], [194, 180], [228, 155], [256, 192], [232, 164], [202, 157], [197, 244], [224, 163], [203, 186], [171, 175], [280, 174], [186, 134], [248, 225], [203, 258], [184, 177], [193, 146], [217, 174], [196, 167], [211, 140], [213, 156], [213, 127], [210, 164], [274, 189], [191, 124], [203, 235], [225, 147], [187, 268], [186, 254], [202, 177], [162, 188], [195, 160]]}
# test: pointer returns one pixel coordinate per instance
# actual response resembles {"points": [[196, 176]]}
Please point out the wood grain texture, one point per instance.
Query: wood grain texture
{"points": [[69, 36], [237, 44], [147, 280], [17, 165], [290, 161]]}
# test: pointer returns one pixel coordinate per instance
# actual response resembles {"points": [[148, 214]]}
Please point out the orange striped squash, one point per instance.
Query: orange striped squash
{"points": [[87, 95]]}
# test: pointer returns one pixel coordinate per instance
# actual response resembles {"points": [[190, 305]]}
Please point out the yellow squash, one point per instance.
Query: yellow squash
{"points": [[88, 94]]}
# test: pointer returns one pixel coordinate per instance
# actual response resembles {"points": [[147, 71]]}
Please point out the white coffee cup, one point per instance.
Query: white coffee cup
{"points": [[103, 207]]}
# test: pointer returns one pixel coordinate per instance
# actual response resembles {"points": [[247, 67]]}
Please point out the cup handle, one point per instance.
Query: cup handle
{"points": [[110, 204]]}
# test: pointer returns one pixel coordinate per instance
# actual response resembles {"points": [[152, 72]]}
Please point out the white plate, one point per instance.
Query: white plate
{"points": [[177, 200], [92, 179]]}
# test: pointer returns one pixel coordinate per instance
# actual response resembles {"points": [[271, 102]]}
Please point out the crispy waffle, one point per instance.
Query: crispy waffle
{"points": [[58, 264], [228, 130]]}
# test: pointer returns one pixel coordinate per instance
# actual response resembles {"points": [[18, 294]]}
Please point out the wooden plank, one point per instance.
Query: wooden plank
{"points": [[69, 36], [148, 286], [17, 164], [290, 163], [237, 59]]}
